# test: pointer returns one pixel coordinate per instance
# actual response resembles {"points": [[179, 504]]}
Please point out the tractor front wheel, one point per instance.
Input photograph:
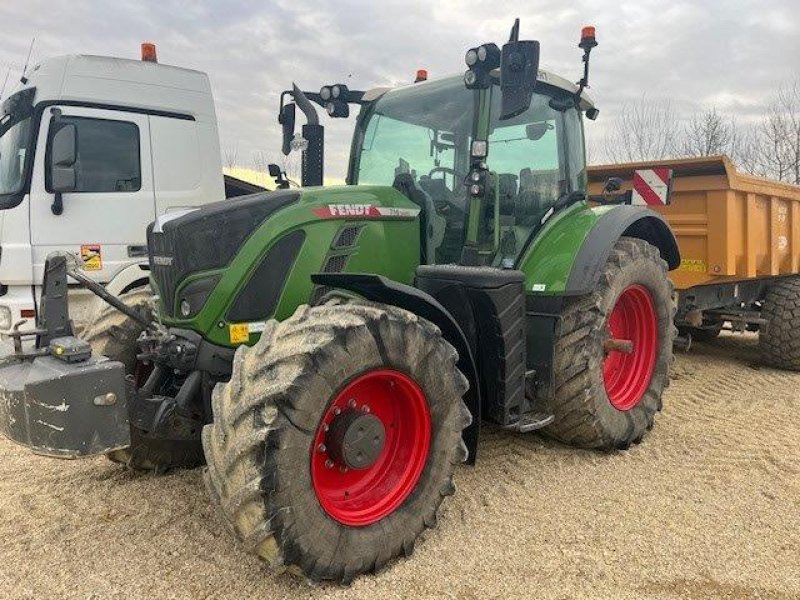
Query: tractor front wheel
{"points": [[335, 440], [114, 334], [613, 353]]}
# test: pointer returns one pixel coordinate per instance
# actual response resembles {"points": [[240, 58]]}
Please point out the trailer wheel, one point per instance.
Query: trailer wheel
{"points": [[613, 352], [335, 440], [114, 334], [779, 341]]}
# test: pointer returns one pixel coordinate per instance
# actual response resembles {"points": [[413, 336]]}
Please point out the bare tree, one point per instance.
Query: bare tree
{"points": [[772, 148], [261, 161], [708, 133], [644, 130], [231, 156]]}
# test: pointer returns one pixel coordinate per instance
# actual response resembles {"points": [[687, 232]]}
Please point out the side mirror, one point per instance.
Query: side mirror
{"points": [[536, 131], [63, 156], [281, 181], [519, 68], [286, 119]]}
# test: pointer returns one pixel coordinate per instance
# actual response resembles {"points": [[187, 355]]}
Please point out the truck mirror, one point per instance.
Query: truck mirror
{"points": [[63, 156], [286, 119]]}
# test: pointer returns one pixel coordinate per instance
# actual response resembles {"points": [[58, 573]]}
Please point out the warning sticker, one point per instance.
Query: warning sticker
{"points": [[239, 333], [92, 257], [693, 265]]}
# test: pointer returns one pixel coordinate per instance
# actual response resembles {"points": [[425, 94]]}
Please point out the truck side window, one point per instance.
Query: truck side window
{"points": [[108, 155]]}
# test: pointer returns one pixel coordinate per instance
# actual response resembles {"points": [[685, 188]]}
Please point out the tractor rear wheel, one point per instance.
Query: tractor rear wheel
{"points": [[779, 340], [613, 353], [114, 334], [335, 440]]}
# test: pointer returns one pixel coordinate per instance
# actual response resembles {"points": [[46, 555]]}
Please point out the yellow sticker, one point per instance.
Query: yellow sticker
{"points": [[239, 333], [693, 265], [92, 257]]}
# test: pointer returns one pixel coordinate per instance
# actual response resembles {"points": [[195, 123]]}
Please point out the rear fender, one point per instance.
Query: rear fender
{"points": [[380, 289]]}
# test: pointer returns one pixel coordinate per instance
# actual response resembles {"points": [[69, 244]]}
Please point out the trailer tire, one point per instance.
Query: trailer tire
{"points": [[779, 341], [114, 334], [272, 447], [607, 399]]}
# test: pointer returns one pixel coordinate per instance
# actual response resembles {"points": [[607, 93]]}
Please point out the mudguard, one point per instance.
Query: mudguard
{"points": [[380, 289], [567, 256]]}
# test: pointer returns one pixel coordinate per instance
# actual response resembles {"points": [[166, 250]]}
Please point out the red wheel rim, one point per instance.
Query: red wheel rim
{"points": [[359, 497], [627, 375]]}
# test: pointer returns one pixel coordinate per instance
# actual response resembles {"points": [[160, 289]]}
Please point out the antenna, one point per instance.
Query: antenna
{"points": [[5, 81], [514, 37], [24, 79]]}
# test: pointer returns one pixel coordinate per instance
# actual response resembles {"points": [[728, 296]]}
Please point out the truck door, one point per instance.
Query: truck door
{"points": [[105, 218]]}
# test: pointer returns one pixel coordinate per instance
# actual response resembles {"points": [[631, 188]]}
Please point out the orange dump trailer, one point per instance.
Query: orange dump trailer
{"points": [[739, 238]]}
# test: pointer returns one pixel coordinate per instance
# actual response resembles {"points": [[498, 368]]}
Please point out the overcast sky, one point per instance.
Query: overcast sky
{"points": [[732, 54]]}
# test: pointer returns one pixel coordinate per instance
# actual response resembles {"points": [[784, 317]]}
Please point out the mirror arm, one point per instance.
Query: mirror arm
{"points": [[58, 204]]}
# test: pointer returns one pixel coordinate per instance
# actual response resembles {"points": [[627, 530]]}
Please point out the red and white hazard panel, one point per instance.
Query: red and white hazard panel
{"points": [[651, 187]]}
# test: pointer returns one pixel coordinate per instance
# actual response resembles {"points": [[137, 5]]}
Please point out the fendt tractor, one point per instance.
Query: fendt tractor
{"points": [[330, 353]]}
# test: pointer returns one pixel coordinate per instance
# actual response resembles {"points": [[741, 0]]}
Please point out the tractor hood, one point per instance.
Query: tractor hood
{"points": [[206, 238]]}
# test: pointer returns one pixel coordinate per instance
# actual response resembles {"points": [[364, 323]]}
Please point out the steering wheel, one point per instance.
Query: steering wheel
{"points": [[446, 203]]}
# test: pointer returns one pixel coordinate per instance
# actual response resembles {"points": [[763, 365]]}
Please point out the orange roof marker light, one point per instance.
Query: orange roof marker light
{"points": [[422, 75], [149, 52], [588, 37]]}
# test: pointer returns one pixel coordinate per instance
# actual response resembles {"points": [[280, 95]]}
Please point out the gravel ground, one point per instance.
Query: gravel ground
{"points": [[707, 507]]}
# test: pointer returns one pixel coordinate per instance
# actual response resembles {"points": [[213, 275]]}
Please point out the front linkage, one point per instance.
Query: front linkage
{"points": [[61, 400]]}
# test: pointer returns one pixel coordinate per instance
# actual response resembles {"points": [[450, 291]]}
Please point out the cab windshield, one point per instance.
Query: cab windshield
{"points": [[426, 130], [14, 141], [15, 129]]}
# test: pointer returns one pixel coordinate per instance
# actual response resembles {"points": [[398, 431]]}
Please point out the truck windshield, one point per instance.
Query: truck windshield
{"points": [[14, 140]]}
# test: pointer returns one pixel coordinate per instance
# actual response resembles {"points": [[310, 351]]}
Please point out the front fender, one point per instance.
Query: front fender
{"points": [[567, 256], [380, 289]]}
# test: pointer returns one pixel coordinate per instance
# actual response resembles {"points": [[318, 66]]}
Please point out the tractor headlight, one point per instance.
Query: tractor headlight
{"points": [[470, 78], [5, 317], [325, 93], [336, 91], [194, 295], [471, 57], [331, 108], [481, 52]]}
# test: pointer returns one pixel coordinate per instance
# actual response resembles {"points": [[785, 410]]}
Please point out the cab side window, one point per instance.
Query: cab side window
{"points": [[108, 155]]}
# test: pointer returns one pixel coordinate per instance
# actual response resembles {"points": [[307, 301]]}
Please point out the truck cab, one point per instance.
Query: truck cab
{"points": [[93, 149]]}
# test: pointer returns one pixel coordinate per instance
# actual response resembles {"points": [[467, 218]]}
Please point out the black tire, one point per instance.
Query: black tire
{"points": [[584, 414], [114, 335], [259, 447], [779, 341]]}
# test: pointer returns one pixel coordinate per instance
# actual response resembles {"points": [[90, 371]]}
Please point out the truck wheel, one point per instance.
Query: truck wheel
{"points": [[779, 341], [335, 440], [607, 394], [114, 335]]}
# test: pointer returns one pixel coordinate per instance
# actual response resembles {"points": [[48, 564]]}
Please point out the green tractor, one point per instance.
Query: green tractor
{"points": [[330, 353]]}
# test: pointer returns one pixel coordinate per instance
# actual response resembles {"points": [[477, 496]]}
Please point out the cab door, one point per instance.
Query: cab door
{"points": [[104, 219]]}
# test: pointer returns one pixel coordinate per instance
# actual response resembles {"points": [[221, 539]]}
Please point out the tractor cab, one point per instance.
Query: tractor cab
{"points": [[418, 139]]}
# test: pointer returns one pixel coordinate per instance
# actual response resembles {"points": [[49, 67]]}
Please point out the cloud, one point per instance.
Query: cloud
{"points": [[732, 53]]}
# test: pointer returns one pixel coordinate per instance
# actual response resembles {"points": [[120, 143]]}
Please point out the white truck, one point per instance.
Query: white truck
{"points": [[92, 149]]}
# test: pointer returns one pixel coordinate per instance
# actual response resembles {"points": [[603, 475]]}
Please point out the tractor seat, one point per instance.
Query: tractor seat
{"points": [[432, 224]]}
